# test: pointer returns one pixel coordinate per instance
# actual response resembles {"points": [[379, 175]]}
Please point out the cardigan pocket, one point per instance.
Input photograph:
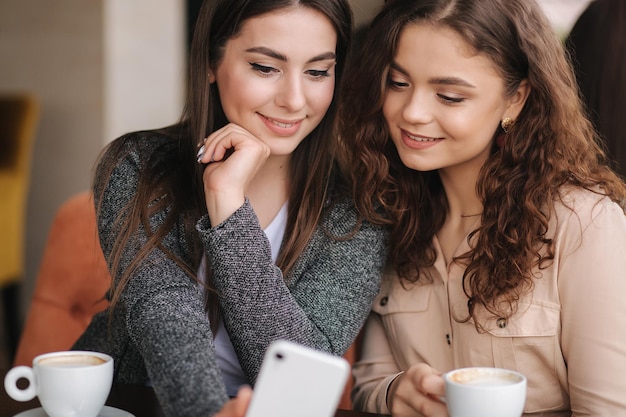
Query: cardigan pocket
{"points": [[529, 343]]}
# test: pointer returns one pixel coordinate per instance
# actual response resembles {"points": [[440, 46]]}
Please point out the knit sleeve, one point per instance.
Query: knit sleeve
{"points": [[322, 304], [164, 310]]}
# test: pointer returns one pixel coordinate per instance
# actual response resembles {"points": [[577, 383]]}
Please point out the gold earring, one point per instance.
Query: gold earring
{"points": [[506, 124]]}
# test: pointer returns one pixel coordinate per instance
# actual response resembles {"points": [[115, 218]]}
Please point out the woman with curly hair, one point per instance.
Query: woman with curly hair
{"points": [[508, 234]]}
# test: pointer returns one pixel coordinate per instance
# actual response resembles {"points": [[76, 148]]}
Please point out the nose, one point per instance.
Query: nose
{"points": [[416, 108], [291, 94]]}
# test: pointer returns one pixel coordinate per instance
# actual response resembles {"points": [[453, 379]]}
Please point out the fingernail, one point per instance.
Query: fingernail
{"points": [[200, 153]]}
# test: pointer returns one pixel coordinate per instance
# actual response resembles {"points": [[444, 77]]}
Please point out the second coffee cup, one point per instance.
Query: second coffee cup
{"points": [[485, 392]]}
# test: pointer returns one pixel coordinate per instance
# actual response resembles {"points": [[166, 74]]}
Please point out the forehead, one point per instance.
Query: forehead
{"points": [[293, 27], [437, 49]]}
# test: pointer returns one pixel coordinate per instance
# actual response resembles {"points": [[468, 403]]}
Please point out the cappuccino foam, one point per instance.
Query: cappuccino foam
{"points": [[481, 378], [71, 361]]}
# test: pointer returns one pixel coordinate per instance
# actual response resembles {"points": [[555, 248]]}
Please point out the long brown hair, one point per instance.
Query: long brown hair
{"points": [[552, 144], [171, 181]]}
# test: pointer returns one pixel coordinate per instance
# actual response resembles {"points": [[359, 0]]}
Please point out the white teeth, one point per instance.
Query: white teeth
{"points": [[283, 125], [421, 138]]}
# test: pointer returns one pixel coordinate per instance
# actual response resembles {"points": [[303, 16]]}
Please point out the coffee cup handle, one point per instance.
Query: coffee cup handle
{"points": [[10, 383]]}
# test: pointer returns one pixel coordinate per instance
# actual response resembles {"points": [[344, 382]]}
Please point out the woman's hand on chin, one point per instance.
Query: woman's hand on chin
{"points": [[233, 157]]}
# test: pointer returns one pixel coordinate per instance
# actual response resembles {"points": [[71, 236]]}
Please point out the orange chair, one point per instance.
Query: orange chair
{"points": [[71, 284], [19, 115], [351, 356]]}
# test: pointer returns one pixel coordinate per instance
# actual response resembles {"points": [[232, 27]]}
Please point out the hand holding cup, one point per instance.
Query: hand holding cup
{"points": [[485, 392]]}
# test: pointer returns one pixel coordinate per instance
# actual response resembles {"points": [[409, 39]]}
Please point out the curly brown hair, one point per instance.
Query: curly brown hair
{"points": [[551, 145]]}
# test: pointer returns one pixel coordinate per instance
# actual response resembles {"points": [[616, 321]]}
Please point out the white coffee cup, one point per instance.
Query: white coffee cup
{"points": [[485, 392], [68, 383]]}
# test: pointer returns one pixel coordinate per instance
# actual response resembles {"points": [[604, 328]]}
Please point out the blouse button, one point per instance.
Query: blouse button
{"points": [[383, 301], [501, 322]]}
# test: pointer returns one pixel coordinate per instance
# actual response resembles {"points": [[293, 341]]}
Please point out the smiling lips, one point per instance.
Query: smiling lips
{"points": [[417, 142], [420, 138], [282, 127], [279, 124]]}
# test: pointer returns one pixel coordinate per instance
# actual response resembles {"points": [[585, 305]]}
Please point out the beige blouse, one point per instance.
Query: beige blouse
{"points": [[568, 336]]}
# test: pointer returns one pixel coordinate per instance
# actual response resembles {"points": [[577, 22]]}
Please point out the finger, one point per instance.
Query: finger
{"points": [[237, 406], [200, 154], [207, 147], [417, 404], [217, 145], [244, 396], [428, 381], [209, 152], [420, 390], [433, 385]]}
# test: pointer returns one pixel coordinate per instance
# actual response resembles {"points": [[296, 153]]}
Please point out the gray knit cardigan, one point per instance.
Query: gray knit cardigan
{"points": [[160, 333]]}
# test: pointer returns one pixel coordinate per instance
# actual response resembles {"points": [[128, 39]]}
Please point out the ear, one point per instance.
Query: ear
{"points": [[211, 76], [517, 100]]}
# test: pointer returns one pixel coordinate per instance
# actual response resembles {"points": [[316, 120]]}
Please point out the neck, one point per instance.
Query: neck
{"points": [[463, 202], [459, 182], [268, 190]]}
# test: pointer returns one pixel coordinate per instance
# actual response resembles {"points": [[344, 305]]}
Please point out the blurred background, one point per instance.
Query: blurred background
{"points": [[101, 68]]}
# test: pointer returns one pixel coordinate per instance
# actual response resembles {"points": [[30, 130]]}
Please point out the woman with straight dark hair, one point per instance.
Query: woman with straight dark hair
{"points": [[507, 248], [233, 228]]}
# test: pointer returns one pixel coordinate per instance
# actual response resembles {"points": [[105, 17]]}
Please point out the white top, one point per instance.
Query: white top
{"points": [[226, 357]]}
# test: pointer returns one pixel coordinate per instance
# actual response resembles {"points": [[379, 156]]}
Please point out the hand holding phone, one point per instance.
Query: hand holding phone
{"points": [[297, 381]]}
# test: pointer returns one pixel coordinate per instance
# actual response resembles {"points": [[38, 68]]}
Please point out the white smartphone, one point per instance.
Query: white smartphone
{"points": [[298, 381]]}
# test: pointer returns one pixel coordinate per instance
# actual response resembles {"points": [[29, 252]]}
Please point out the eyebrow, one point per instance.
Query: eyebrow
{"points": [[273, 54], [436, 80]]}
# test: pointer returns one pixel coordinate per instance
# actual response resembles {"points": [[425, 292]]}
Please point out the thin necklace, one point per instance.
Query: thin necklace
{"points": [[470, 215]]}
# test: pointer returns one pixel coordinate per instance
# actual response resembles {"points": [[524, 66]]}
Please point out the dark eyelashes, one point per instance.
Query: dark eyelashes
{"points": [[399, 85], [261, 68], [396, 84], [319, 73], [453, 100], [265, 70]]}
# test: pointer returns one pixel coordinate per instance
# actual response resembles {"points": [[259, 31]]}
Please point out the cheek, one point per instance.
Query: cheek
{"points": [[481, 120], [480, 128], [241, 96], [390, 111], [320, 97], [229, 95]]}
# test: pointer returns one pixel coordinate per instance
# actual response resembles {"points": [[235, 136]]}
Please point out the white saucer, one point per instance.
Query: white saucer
{"points": [[106, 412]]}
